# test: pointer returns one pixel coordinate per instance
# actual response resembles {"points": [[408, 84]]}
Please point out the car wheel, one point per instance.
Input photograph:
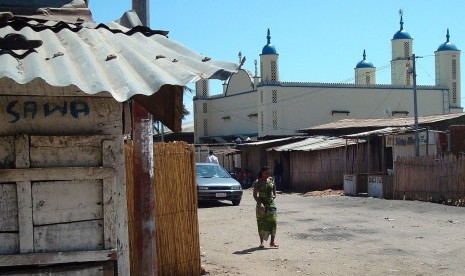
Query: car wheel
{"points": [[236, 202]]}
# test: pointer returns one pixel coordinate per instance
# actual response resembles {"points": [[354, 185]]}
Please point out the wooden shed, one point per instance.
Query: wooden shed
{"points": [[389, 144], [65, 87], [318, 162]]}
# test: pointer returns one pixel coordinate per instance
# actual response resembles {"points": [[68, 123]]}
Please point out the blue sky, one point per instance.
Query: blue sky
{"points": [[318, 41]]}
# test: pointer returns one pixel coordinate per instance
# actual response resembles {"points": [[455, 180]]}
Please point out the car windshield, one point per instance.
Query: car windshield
{"points": [[211, 171]]}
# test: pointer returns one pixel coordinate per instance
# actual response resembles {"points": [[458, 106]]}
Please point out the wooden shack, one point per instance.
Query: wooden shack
{"points": [[65, 87], [318, 162], [62, 182]]}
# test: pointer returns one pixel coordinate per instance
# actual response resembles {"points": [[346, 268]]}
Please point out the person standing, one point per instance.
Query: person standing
{"points": [[211, 158], [264, 193]]}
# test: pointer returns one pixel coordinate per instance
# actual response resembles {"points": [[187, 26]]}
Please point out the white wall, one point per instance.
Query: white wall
{"points": [[302, 105]]}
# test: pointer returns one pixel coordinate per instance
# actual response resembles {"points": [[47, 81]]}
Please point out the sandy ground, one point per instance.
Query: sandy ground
{"points": [[329, 234]]}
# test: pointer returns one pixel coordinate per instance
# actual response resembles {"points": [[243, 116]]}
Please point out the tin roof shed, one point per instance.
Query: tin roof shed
{"points": [[63, 47]]}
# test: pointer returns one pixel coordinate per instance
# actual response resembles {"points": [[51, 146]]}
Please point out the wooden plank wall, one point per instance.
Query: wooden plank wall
{"points": [[324, 169], [178, 246], [62, 193], [75, 115], [430, 178], [128, 153]]}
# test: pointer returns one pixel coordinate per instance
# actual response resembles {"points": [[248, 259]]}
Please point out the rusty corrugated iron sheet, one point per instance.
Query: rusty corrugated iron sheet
{"points": [[264, 142], [316, 143], [98, 58], [382, 132], [63, 10], [388, 122]]}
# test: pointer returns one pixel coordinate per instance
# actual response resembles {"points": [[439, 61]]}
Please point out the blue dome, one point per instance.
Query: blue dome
{"points": [[401, 34], [364, 63], [447, 46], [269, 49]]}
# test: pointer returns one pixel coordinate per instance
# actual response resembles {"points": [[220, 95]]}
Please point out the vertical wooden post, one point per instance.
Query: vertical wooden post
{"points": [[368, 157], [24, 194], [144, 190], [144, 193]]}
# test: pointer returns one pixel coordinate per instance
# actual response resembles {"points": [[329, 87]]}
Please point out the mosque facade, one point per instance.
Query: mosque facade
{"points": [[261, 105]]}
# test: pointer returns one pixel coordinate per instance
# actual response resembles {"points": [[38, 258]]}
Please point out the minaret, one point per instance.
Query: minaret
{"points": [[402, 45], [365, 72], [269, 62], [256, 78], [202, 92], [448, 72], [202, 88]]}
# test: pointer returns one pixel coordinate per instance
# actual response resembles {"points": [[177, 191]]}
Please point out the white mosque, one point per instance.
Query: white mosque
{"points": [[264, 106]]}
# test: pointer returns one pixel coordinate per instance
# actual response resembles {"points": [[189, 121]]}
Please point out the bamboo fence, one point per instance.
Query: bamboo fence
{"points": [[435, 179], [178, 245], [177, 232]]}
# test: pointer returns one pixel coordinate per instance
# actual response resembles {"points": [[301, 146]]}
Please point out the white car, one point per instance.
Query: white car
{"points": [[215, 183]]}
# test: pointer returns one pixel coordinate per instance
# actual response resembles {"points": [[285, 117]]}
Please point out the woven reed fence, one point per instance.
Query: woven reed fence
{"points": [[177, 231], [432, 179]]}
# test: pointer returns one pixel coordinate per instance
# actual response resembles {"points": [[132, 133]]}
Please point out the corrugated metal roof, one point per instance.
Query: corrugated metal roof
{"points": [[269, 141], [381, 132], [97, 58], [316, 143], [185, 128], [388, 122]]}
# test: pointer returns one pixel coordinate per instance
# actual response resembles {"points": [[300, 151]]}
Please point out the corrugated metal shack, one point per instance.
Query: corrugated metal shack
{"points": [[392, 143], [358, 183], [65, 82], [319, 162]]}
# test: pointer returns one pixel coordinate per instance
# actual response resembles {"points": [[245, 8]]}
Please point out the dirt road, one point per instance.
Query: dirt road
{"points": [[335, 235]]}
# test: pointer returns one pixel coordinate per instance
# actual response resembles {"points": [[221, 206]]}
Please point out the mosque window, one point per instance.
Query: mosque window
{"points": [[275, 119], [454, 92], [407, 79], [205, 127], [204, 88], [454, 69], [205, 108], [274, 96], [273, 71], [367, 79], [261, 120], [406, 49], [261, 96]]}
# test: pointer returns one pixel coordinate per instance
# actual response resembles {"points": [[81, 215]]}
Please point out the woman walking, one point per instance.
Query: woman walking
{"points": [[264, 193]]}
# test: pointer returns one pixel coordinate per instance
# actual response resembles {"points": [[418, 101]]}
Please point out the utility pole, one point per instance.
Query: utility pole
{"points": [[145, 260], [415, 106]]}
